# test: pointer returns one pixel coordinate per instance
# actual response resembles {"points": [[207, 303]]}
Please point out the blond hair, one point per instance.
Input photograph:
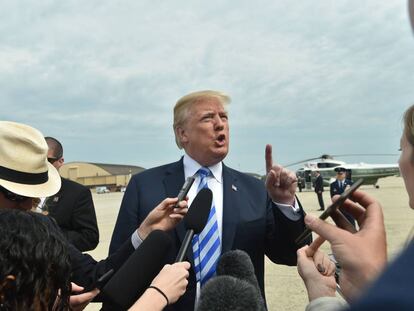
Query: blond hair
{"points": [[182, 107], [409, 124]]}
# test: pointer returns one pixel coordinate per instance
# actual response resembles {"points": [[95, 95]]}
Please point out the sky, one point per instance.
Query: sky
{"points": [[309, 77]]}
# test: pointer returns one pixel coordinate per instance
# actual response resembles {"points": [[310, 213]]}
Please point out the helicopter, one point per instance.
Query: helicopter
{"points": [[326, 165]]}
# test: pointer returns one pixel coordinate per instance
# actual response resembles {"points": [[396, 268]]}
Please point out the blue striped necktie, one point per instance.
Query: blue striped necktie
{"points": [[206, 245]]}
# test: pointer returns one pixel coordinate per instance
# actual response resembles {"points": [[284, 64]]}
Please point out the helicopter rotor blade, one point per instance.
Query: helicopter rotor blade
{"points": [[303, 161], [327, 156], [366, 154]]}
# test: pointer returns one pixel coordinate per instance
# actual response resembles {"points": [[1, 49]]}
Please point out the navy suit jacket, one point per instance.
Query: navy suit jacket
{"points": [[394, 288], [334, 187], [251, 222], [319, 183]]}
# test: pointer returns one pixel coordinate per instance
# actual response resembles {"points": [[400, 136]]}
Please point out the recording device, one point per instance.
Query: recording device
{"points": [[331, 209], [196, 219], [184, 190], [137, 273], [237, 263], [227, 293]]}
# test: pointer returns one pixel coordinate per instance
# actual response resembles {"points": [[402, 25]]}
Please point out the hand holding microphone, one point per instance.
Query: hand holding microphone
{"points": [[164, 217], [169, 285]]}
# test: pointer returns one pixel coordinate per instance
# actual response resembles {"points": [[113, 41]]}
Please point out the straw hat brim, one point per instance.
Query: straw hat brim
{"points": [[43, 190]]}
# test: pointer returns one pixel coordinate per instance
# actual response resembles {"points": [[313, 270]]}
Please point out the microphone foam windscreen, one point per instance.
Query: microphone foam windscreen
{"points": [[197, 214], [137, 273], [237, 263], [226, 293]]}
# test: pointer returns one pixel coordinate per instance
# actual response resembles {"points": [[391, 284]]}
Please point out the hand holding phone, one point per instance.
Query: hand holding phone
{"points": [[331, 209], [184, 189]]}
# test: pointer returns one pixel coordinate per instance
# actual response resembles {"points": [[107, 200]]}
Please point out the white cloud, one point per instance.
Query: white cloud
{"points": [[296, 71]]}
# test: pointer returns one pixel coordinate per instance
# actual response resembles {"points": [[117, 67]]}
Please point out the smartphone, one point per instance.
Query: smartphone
{"points": [[103, 279], [184, 189], [331, 208]]}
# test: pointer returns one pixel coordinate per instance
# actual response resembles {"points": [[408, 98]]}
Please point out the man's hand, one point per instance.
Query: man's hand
{"points": [[164, 217], [280, 182], [362, 255], [79, 302], [171, 281], [317, 272]]}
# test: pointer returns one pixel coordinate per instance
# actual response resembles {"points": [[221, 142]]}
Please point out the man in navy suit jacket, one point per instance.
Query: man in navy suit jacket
{"points": [[249, 217], [339, 186]]}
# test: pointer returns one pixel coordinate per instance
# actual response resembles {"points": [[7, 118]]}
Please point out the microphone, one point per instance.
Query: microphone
{"points": [[196, 219], [237, 263], [137, 273], [227, 293]]}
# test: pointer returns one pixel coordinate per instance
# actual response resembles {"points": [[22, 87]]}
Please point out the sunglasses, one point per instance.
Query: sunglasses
{"points": [[52, 160], [12, 196]]}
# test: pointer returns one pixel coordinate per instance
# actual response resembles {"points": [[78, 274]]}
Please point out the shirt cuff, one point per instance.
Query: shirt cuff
{"points": [[326, 304], [135, 239], [290, 211]]}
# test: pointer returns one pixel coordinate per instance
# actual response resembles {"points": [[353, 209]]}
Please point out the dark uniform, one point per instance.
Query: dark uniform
{"points": [[319, 190], [338, 187]]}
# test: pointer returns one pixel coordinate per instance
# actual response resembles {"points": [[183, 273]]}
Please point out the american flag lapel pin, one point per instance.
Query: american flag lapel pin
{"points": [[234, 187]]}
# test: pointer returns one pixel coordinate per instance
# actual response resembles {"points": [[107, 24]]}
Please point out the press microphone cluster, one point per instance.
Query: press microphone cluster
{"points": [[234, 288]]}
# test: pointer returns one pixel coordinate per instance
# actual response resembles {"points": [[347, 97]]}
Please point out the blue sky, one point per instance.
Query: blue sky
{"points": [[309, 77]]}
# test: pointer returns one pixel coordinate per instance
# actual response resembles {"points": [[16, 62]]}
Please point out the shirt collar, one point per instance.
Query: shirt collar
{"points": [[191, 167]]}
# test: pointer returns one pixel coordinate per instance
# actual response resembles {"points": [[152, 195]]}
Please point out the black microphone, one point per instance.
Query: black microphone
{"points": [[227, 293], [137, 273], [196, 219], [237, 263]]}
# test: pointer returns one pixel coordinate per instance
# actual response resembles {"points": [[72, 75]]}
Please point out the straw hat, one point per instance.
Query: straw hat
{"points": [[24, 168]]}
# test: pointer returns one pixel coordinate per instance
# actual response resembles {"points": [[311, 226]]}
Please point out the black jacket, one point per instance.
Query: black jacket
{"points": [[72, 208]]}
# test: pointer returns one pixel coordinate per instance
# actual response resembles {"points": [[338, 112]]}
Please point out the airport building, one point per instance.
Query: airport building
{"points": [[98, 175]]}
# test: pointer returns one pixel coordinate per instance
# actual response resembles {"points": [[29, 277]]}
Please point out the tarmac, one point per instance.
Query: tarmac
{"points": [[284, 287]]}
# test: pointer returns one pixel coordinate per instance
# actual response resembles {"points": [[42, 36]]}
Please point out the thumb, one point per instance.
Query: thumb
{"points": [[326, 231]]}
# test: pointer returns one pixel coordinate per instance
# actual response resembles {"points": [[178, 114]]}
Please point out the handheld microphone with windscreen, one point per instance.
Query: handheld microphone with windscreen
{"points": [[137, 273], [196, 219], [237, 263], [227, 293]]}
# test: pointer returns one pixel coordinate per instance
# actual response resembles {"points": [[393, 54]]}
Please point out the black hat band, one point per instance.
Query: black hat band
{"points": [[23, 177]]}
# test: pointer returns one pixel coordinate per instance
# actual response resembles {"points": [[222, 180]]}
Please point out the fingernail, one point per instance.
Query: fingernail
{"points": [[320, 268]]}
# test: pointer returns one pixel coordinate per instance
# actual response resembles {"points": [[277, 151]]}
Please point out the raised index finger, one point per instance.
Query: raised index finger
{"points": [[269, 158]]}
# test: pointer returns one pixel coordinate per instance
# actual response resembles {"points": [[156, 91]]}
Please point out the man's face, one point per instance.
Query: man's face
{"points": [[205, 133], [8, 200], [56, 162], [340, 175]]}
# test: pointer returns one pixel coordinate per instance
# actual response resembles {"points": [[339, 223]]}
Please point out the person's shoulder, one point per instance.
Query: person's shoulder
{"points": [[243, 177], [73, 185], [158, 170]]}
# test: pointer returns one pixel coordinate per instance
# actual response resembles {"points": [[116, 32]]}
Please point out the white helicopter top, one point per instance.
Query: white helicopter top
{"points": [[326, 166]]}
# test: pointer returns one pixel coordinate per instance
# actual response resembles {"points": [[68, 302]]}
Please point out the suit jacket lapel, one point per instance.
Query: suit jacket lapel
{"points": [[231, 205]]}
